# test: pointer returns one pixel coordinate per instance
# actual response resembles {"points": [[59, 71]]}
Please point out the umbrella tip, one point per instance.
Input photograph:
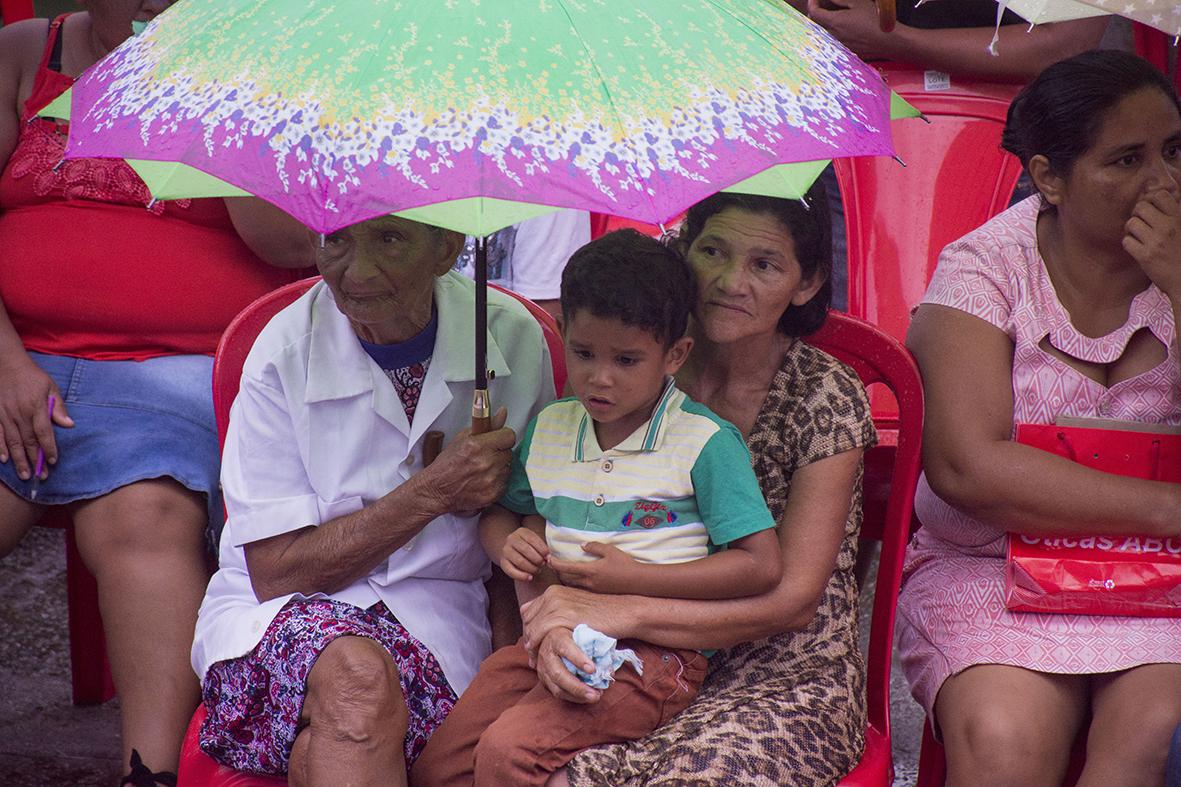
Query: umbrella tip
{"points": [[321, 240], [899, 160]]}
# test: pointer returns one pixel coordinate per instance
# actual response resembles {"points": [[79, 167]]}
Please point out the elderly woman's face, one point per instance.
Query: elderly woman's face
{"points": [[747, 275], [382, 274]]}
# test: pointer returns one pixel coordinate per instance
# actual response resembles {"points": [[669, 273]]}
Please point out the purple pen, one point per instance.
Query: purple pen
{"points": [[41, 455]]}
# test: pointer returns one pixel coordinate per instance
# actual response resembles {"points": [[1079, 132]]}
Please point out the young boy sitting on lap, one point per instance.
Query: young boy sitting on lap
{"points": [[637, 489]]}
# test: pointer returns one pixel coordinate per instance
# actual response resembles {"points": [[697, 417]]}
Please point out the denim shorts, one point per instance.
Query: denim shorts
{"points": [[133, 420]]}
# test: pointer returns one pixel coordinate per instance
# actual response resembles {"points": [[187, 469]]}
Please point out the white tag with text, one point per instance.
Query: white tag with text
{"points": [[936, 80]]}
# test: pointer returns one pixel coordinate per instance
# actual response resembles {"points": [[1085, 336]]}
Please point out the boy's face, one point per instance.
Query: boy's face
{"points": [[617, 371]]}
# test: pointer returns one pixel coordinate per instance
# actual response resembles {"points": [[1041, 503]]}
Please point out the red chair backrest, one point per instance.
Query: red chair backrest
{"points": [[15, 10], [602, 223], [899, 219], [880, 360], [553, 336], [1154, 46], [240, 334]]}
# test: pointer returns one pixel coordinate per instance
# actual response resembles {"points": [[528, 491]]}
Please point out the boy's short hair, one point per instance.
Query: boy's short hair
{"points": [[627, 276]]}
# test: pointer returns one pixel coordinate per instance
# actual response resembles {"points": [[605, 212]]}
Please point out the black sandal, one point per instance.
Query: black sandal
{"points": [[140, 776]]}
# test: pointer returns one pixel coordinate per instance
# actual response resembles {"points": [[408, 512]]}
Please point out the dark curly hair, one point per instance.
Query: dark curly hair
{"points": [[1058, 114], [627, 276], [810, 229]]}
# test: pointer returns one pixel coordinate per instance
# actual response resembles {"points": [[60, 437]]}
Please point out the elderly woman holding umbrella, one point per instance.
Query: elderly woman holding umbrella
{"points": [[349, 610]]}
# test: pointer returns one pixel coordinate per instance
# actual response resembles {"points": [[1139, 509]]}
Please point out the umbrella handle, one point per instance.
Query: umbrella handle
{"points": [[481, 411], [887, 15]]}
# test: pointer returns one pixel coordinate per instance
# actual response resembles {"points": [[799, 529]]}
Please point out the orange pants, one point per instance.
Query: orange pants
{"points": [[507, 729]]}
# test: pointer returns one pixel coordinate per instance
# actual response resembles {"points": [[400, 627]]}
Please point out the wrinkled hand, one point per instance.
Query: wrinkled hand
{"points": [[524, 554], [564, 608], [612, 572], [24, 417], [471, 471], [1153, 237], [552, 672], [855, 24]]}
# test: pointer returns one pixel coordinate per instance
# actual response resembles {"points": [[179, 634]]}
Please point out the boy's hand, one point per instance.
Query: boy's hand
{"points": [[524, 554], [611, 573]]}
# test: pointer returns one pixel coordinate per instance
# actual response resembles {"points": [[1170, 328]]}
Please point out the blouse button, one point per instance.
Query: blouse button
{"points": [[599, 500], [1104, 408], [607, 465]]}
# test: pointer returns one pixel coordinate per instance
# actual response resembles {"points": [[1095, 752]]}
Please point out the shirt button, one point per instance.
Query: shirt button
{"points": [[1104, 407], [607, 466], [409, 545], [599, 500], [256, 627]]}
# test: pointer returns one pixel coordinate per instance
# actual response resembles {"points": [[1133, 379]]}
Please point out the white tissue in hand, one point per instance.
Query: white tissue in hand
{"points": [[601, 649]]}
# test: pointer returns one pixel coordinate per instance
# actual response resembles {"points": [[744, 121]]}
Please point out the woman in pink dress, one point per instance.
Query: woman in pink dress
{"points": [[1064, 305]]}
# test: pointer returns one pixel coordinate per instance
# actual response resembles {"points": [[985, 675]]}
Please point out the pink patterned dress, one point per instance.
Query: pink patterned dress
{"points": [[951, 612]]}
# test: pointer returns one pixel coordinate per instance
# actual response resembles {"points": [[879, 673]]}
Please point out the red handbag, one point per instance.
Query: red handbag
{"points": [[1099, 575]]}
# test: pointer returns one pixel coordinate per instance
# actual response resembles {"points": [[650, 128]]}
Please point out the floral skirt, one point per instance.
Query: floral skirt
{"points": [[255, 701]]}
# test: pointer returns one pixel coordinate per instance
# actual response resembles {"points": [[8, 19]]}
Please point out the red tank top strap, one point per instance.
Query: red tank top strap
{"points": [[48, 84]]}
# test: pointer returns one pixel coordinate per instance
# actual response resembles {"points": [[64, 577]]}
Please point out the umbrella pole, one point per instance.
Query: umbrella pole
{"points": [[481, 404]]}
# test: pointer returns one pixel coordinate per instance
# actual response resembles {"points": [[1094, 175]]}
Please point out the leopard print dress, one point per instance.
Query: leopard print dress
{"points": [[790, 709]]}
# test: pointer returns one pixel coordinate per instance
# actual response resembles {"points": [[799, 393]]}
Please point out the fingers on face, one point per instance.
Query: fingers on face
{"points": [[1137, 228]]}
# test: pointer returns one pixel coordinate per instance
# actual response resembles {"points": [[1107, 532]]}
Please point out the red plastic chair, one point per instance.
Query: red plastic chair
{"points": [[899, 219], [880, 359], [602, 223], [1154, 46], [196, 768], [15, 10]]}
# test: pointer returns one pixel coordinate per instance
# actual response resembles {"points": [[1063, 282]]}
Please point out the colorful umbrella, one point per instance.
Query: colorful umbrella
{"points": [[340, 111]]}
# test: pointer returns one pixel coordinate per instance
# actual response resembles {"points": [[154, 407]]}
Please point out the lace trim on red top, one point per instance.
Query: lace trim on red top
{"points": [[40, 151]]}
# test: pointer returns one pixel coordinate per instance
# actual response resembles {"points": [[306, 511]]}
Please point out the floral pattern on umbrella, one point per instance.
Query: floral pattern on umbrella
{"points": [[340, 111]]}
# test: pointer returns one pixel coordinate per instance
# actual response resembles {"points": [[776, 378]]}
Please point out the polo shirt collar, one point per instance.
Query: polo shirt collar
{"points": [[648, 437], [334, 344]]}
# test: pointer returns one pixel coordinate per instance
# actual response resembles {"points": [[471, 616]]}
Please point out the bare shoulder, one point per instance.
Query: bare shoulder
{"points": [[21, 46], [22, 43]]}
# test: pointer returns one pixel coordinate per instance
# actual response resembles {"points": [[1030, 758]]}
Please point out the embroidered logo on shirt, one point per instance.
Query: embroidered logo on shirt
{"points": [[648, 514]]}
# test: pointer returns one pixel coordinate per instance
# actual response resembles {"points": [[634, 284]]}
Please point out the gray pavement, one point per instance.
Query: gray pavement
{"points": [[45, 741]]}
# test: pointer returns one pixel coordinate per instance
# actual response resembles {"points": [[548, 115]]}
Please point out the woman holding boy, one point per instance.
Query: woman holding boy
{"points": [[640, 488], [786, 693]]}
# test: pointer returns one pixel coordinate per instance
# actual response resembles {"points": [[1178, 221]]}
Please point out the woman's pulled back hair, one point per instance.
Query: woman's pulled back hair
{"points": [[627, 276], [1058, 114], [808, 225]]}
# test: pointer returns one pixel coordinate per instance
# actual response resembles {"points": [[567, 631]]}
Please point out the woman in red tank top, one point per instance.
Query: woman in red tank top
{"points": [[111, 306]]}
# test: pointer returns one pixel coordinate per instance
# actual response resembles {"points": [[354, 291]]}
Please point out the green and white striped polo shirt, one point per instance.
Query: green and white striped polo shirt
{"points": [[677, 488]]}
